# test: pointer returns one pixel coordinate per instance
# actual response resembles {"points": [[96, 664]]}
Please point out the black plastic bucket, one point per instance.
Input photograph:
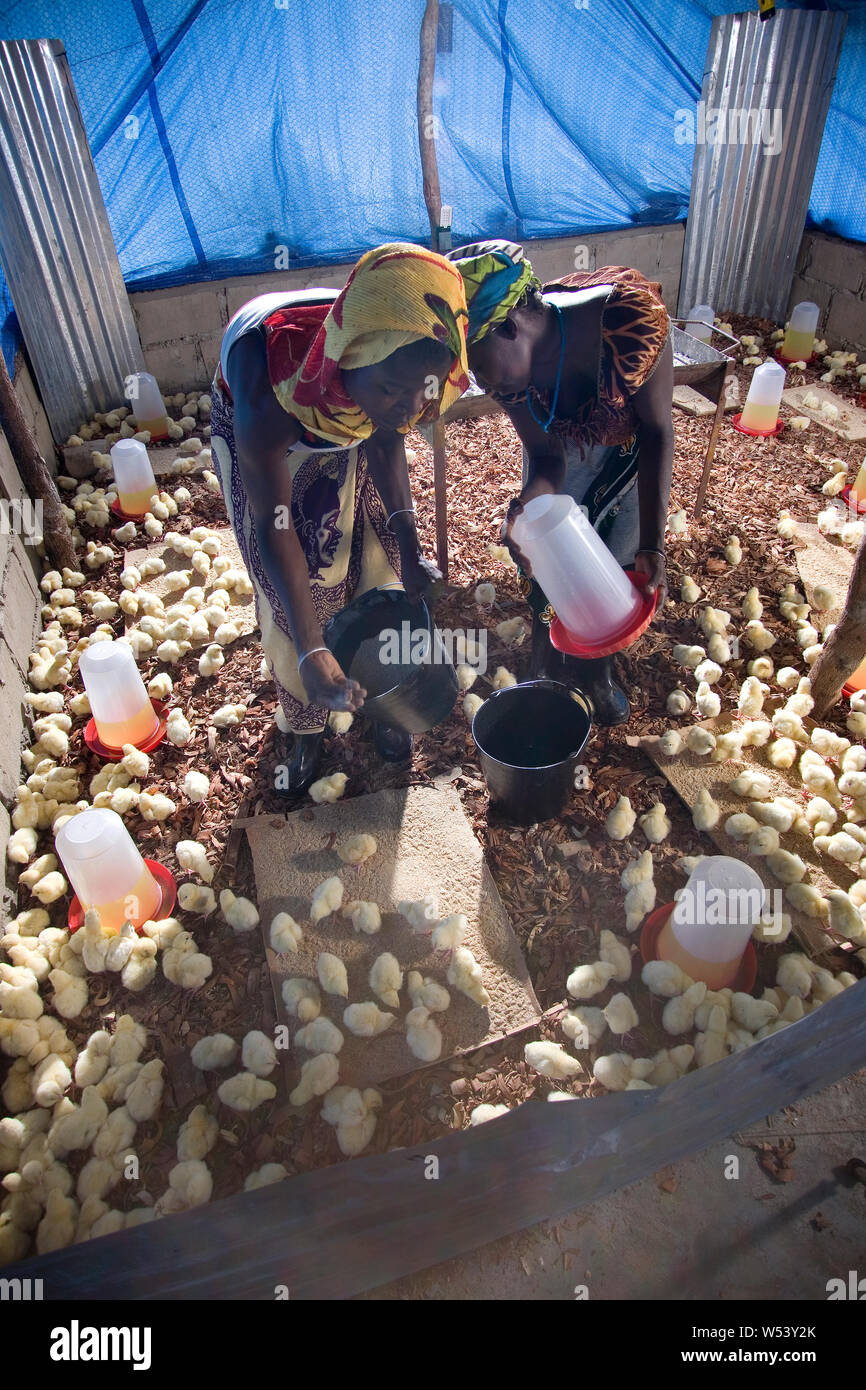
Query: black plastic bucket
{"points": [[406, 688], [530, 738]]}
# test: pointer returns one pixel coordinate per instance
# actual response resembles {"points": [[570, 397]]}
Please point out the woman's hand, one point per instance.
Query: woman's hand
{"points": [[418, 575], [650, 563], [537, 488], [326, 684]]}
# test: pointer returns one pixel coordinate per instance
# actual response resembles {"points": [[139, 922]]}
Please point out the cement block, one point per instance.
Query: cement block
{"points": [[34, 413], [186, 364], [21, 603], [850, 423], [804, 287], [12, 690], [5, 833], [161, 316], [244, 288], [839, 263], [846, 321]]}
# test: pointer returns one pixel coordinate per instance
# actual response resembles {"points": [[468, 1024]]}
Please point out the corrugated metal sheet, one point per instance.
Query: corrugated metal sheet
{"points": [[748, 208], [56, 246]]}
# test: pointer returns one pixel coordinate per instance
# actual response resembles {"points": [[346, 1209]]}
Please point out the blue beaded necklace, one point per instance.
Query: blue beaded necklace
{"points": [[545, 424]]}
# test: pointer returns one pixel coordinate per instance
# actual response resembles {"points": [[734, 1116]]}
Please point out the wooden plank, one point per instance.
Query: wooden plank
{"points": [[357, 1225]]}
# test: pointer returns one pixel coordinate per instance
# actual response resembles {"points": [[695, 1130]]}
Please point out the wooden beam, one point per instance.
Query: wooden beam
{"points": [[426, 119], [341, 1230]]}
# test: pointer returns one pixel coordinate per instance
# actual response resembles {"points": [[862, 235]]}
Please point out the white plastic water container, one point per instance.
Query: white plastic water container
{"points": [[120, 705], [700, 322], [592, 595], [148, 407], [713, 919], [134, 476], [761, 411], [799, 341], [106, 869]]}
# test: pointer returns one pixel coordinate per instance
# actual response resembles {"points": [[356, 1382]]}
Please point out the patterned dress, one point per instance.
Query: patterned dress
{"points": [[602, 445], [340, 523]]}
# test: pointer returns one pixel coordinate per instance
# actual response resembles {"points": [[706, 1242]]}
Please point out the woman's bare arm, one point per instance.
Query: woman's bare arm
{"points": [[652, 406], [386, 460], [264, 432]]}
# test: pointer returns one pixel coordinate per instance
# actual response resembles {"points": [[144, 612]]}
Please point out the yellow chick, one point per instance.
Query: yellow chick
{"points": [[240, 913], [551, 1060], [678, 703], [512, 631], [427, 991], [193, 897], [70, 994], [327, 898], [699, 741], [367, 1020], [708, 703], [386, 978], [616, 953], [620, 1014], [502, 679], [450, 932], [302, 998], [782, 753], [690, 592], [423, 1037], [705, 813], [264, 1176], [357, 849], [197, 1135], [332, 974], [213, 1052], [318, 1076], [733, 551], [584, 1025], [422, 914], [285, 934], [258, 1054], [228, 716], [585, 981], [620, 821], [464, 973], [192, 858], [671, 743], [678, 1015], [178, 730], [352, 1114], [196, 786], [246, 1091], [328, 789], [189, 1185], [364, 916], [639, 901]]}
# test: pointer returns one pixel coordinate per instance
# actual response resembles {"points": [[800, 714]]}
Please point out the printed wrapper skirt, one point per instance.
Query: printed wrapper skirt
{"points": [[340, 522]]}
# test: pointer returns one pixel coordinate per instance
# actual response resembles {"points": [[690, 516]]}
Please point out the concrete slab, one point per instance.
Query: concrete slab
{"points": [[695, 1231], [21, 603], [692, 402], [851, 422], [425, 845]]}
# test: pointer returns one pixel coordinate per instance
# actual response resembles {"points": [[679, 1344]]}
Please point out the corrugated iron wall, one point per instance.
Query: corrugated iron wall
{"points": [[56, 245], [772, 84]]}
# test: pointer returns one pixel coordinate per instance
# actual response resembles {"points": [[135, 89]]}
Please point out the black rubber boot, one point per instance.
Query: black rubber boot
{"points": [[303, 763], [392, 745], [596, 679]]}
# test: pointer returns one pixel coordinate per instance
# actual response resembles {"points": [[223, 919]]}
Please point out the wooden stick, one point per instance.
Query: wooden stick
{"points": [[846, 645], [38, 482], [426, 119], [441, 497]]}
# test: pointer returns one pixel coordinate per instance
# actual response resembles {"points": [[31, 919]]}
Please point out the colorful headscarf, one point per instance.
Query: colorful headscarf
{"points": [[496, 274], [396, 295]]}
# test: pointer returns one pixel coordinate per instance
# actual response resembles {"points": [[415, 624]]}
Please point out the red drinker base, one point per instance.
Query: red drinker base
{"points": [[114, 755], [849, 500], [126, 516], [652, 929], [565, 642], [761, 434], [168, 897]]}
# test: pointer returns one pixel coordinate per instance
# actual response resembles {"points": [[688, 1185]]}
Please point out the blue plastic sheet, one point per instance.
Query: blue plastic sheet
{"points": [[236, 136]]}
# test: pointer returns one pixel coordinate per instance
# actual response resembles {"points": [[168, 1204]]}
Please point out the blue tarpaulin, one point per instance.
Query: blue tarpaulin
{"points": [[235, 136]]}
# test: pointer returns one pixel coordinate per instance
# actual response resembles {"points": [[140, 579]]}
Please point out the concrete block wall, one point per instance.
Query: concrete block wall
{"points": [[832, 273], [20, 600], [181, 328]]}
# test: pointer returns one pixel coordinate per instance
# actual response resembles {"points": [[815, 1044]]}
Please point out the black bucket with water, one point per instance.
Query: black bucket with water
{"points": [[530, 738], [391, 647]]}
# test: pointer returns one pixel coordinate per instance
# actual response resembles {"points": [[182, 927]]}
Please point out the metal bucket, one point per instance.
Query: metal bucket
{"points": [[413, 692], [529, 738]]}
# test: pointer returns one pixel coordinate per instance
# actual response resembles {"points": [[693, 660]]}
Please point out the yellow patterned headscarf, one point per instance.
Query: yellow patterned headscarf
{"points": [[396, 295], [496, 275]]}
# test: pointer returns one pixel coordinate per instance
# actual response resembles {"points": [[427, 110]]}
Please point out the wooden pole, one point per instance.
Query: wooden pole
{"points": [[37, 480], [426, 119], [433, 199], [845, 648]]}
